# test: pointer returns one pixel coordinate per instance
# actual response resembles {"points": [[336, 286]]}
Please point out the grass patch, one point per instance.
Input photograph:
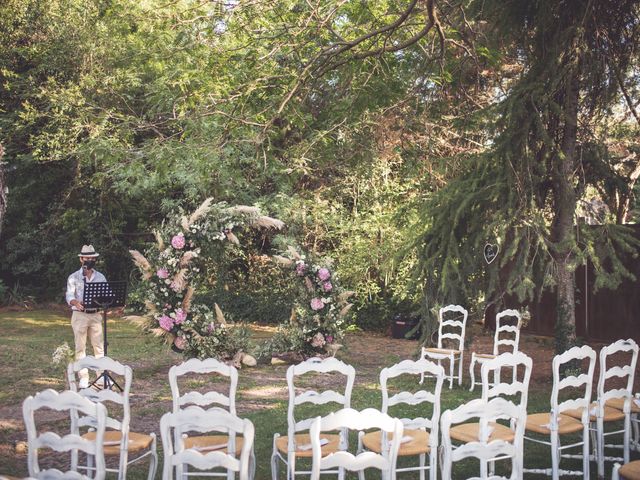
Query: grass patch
{"points": [[29, 339]]}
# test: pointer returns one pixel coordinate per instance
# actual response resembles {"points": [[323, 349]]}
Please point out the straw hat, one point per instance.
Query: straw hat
{"points": [[88, 251]]}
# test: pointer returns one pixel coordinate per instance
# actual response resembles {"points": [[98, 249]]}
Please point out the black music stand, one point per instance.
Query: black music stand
{"points": [[104, 295]]}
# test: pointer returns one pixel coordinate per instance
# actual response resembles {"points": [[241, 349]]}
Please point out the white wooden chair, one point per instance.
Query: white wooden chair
{"points": [[487, 446], [618, 404], [420, 434], [600, 413], [71, 442], [350, 419], [454, 331], [177, 456], [629, 471], [119, 440], [296, 443], [517, 387], [556, 424], [505, 335], [226, 399]]}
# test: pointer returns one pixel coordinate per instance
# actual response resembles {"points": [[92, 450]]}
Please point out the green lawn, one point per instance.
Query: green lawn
{"points": [[30, 337]]}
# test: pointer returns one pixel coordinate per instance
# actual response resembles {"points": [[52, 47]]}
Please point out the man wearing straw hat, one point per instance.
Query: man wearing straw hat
{"points": [[85, 322]]}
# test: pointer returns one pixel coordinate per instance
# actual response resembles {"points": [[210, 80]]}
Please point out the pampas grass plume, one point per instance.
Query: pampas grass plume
{"points": [[219, 315], [178, 283], [200, 211], [231, 237], [187, 257], [268, 222], [294, 253], [150, 306], [186, 301], [159, 240], [283, 260], [245, 210], [345, 309], [141, 262]]}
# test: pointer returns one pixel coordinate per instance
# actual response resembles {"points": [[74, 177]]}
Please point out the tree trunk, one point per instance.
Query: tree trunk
{"points": [[563, 235], [3, 189]]}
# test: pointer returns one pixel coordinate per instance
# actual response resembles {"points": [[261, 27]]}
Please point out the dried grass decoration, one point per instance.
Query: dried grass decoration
{"points": [[170, 270]]}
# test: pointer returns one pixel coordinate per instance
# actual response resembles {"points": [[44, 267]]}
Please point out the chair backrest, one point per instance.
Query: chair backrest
{"points": [[205, 367], [625, 372], [486, 412], [315, 366], [583, 381], [519, 386], [454, 326], [418, 367], [196, 419], [71, 442], [350, 419], [104, 395], [507, 334]]}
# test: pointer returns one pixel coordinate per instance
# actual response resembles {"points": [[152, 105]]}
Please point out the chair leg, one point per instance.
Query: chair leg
{"points": [[615, 474], [472, 376], [627, 437], [600, 455], [555, 456], [153, 460], [274, 459], [636, 431], [461, 360], [585, 452], [451, 366], [90, 472], [422, 457], [291, 467], [433, 464], [124, 457]]}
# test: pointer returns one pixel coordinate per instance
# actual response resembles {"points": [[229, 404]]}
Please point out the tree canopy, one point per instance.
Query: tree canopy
{"points": [[396, 136]]}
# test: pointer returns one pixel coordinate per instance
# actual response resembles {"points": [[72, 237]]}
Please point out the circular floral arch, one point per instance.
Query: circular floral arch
{"points": [[171, 273]]}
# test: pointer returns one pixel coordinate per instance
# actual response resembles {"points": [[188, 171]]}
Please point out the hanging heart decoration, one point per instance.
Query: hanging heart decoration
{"points": [[491, 252]]}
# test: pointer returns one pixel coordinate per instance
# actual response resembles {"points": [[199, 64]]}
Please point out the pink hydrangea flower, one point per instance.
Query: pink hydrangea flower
{"points": [[324, 274], [301, 268], [327, 287], [317, 304], [329, 338], [166, 322], [318, 340], [181, 316], [178, 241], [162, 273]]}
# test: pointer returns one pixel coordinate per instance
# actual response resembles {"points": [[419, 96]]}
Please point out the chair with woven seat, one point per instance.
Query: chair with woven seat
{"points": [[629, 471], [119, 440], [506, 334], [297, 443], [177, 456], [618, 404], [72, 442], [516, 387], [486, 446], [600, 413], [420, 434], [452, 330], [224, 397], [556, 424], [346, 420]]}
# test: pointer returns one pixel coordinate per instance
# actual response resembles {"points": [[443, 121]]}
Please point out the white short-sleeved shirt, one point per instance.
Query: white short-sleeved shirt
{"points": [[75, 285]]}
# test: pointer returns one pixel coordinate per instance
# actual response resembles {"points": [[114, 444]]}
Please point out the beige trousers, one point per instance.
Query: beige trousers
{"points": [[87, 324]]}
